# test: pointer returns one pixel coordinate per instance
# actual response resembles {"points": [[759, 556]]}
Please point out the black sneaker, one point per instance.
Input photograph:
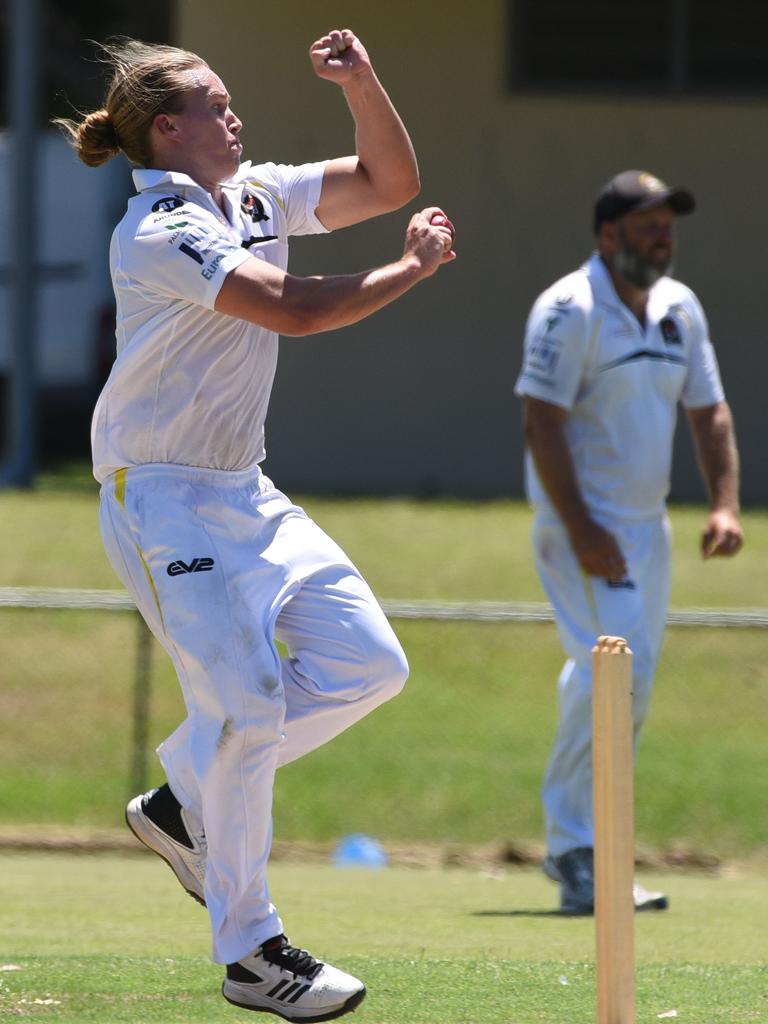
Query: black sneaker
{"points": [[159, 821], [278, 978], [575, 871]]}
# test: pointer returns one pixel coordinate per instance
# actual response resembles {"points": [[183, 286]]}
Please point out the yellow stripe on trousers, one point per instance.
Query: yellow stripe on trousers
{"points": [[121, 479], [120, 476]]}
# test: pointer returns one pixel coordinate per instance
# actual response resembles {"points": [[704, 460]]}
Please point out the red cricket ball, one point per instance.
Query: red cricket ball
{"points": [[440, 218]]}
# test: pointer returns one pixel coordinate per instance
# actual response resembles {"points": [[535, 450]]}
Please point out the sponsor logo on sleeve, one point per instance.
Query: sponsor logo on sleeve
{"points": [[213, 266], [543, 353], [203, 246], [542, 358], [167, 205]]}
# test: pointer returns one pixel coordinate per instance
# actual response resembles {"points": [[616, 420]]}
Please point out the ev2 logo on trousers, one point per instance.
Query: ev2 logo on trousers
{"points": [[196, 565]]}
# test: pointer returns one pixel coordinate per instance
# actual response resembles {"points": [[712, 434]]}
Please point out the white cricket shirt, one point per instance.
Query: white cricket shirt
{"points": [[190, 385], [586, 352]]}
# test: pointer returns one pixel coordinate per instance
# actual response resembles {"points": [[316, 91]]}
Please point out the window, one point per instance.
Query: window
{"points": [[667, 46]]}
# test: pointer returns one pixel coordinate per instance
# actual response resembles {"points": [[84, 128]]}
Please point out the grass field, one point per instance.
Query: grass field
{"points": [[447, 550], [112, 940], [455, 762], [458, 757]]}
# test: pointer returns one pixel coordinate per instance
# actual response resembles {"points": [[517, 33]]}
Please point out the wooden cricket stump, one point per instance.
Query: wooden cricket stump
{"points": [[613, 801]]}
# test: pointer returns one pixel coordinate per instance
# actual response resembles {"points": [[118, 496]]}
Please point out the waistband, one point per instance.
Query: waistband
{"points": [[218, 478]]}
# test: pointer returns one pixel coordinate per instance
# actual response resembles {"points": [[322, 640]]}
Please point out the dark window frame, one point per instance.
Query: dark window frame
{"points": [[700, 48], [72, 75]]}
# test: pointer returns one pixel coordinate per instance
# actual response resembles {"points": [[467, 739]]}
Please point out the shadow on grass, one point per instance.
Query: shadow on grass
{"points": [[527, 913]]}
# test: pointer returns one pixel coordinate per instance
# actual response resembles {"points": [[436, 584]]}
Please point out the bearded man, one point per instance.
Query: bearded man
{"points": [[609, 351]]}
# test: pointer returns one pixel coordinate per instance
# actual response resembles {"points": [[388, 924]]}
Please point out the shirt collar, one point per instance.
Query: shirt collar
{"points": [[600, 280], [146, 178]]}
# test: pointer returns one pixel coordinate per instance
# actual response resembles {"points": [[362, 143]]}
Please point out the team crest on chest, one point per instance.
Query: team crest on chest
{"points": [[670, 331], [253, 207], [675, 323]]}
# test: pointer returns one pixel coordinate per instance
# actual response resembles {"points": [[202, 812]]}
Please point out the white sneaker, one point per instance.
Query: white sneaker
{"points": [[159, 821], [645, 900], [278, 978]]}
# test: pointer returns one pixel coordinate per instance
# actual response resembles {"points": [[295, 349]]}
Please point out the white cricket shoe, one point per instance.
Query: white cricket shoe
{"points": [[159, 821], [645, 900], [278, 978]]}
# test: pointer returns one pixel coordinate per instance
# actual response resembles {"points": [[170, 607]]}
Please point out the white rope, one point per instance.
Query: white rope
{"points": [[455, 611]]}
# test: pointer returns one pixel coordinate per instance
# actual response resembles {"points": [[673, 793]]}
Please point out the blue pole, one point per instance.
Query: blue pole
{"points": [[21, 446]]}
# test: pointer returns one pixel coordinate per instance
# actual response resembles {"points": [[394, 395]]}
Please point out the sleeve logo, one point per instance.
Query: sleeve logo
{"points": [[167, 205], [204, 247]]}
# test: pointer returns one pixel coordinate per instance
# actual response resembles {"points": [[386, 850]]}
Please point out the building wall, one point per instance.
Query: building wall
{"points": [[418, 399]]}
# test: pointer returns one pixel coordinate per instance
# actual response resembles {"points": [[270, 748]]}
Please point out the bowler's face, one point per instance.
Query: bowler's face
{"points": [[209, 129]]}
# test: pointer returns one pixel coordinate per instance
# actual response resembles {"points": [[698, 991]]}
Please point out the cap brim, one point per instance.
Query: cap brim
{"points": [[679, 200]]}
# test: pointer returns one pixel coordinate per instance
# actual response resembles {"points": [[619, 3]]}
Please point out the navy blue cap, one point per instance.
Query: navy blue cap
{"points": [[639, 190]]}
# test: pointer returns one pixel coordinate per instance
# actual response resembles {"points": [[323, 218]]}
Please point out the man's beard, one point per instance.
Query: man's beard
{"points": [[636, 270]]}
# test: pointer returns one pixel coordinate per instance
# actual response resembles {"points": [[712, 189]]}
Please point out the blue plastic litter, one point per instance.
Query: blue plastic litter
{"points": [[358, 851]]}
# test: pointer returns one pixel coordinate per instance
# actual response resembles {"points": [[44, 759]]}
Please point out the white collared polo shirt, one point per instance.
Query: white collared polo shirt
{"points": [[586, 352], [189, 385]]}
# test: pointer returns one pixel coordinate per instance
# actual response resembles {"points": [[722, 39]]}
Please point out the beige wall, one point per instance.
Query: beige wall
{"points": [[419, 398]]}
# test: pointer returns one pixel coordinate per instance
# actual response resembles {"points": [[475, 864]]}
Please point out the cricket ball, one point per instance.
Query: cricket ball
{"points": [[443, 221]]}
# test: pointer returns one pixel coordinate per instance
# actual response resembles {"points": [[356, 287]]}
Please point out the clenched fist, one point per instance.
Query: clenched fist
{"points": [[339, 56]]}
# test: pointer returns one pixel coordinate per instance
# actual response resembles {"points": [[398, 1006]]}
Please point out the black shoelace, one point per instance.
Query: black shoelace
{"points": [[299, 962]]}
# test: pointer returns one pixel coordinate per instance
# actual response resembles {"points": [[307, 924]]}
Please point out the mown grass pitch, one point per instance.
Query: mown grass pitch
{"points": [[112, 939]]}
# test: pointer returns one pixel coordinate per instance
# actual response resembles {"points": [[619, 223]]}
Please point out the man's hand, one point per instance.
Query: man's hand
{"points": [[339, 57], [722, 534], [598, 551], [429, 239]]}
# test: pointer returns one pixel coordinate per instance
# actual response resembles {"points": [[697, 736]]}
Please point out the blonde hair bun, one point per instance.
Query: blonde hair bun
{"points": [[96, 140]]}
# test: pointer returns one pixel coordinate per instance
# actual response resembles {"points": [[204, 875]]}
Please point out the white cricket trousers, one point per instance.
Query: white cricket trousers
{"points": [[221, 564], [586, 607]]}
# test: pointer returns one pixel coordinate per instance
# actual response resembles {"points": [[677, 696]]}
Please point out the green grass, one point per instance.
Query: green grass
{"points": [[446, 550], [458, 758], [113, 940]]}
